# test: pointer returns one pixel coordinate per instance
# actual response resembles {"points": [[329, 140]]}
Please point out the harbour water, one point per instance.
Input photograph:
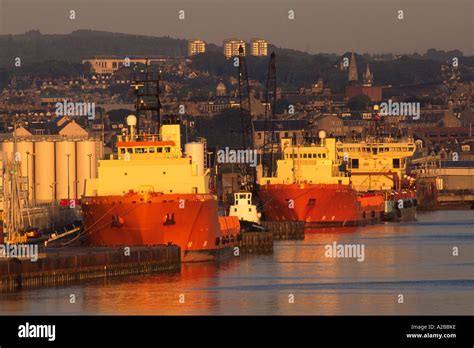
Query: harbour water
{"points": [[414, 263]]}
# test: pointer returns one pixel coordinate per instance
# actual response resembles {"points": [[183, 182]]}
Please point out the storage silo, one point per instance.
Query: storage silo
{"points": [[25, 151], [195, 150], [7, 151], [44, 171], [65, 169], [86, 152]]}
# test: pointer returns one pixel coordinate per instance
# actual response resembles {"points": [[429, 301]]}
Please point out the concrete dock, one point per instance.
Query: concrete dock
{"points": [[60, 266]]}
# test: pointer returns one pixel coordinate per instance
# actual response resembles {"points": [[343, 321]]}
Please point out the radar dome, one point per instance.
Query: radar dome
{"points": [[131, 120]]}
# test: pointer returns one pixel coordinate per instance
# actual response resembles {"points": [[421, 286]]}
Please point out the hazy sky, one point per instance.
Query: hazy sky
{"points": [[319, 25]]}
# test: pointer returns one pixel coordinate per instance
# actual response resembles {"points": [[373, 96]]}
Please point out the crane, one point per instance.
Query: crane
{"points": [[270, 100]]}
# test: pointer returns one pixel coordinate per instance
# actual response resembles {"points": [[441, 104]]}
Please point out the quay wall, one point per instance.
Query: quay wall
{"points": [[79, 264]]}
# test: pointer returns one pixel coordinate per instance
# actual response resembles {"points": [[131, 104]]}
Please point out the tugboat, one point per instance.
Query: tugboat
{"points": [[246, 212]]}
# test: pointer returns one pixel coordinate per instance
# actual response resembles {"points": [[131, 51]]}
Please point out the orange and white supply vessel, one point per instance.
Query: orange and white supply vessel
{"points": [[311, 185], [149, 193], [378, 165]]}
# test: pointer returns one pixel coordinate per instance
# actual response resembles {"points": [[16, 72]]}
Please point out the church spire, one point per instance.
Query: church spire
{"points": [[368, 76], [353, 69]]}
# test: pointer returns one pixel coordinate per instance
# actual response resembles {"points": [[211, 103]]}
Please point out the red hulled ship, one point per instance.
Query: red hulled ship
{"points": [[311, 186], [149, 193]]}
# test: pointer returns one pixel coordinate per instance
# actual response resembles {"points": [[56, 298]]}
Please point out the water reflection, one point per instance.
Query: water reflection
{"points": [[413, 259]]}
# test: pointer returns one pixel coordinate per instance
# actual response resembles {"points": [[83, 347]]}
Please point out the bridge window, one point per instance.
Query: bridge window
{"points": [[151, 150], [122, 150], [167, 149], [396, 163], [160, 149], [355, 163]]}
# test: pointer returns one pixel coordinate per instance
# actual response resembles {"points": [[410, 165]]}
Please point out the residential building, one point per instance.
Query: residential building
{"points": [[196, 47], [231, 47], [258, 47]]}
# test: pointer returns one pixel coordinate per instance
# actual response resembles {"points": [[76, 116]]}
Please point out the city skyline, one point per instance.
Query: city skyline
{"points": [[320, 27]]}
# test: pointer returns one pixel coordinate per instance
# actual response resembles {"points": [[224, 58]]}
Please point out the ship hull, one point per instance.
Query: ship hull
{"points": [[188, 220], [320, 205]]}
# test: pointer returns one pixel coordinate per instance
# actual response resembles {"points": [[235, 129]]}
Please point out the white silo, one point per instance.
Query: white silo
{"points": [[86, 152], [195, 150], [44, 187], [7, 151], [25, 154], [65, 169]]}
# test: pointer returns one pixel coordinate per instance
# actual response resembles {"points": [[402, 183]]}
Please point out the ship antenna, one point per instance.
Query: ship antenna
{"points": [[147, 90]]}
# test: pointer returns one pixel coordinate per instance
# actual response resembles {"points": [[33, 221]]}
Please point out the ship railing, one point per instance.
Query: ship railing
{"points": [[139, 137]]}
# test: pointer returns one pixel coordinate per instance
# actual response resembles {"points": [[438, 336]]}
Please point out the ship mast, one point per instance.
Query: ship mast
{"points": [[14, 195], [146, 87]]}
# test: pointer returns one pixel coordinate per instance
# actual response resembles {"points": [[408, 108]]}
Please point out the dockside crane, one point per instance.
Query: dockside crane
{"points": [[270, 101], [248, 173], [244, 98]]}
